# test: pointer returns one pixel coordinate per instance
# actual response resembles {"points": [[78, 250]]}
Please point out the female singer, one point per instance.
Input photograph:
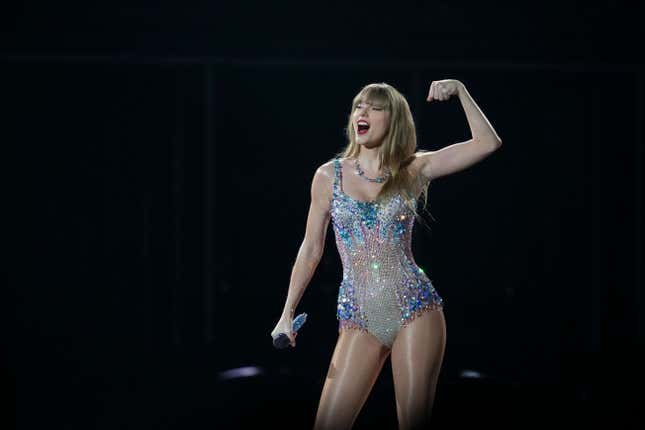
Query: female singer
{"points": [[387, 305]]}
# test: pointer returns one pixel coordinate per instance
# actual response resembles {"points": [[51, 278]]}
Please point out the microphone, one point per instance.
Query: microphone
{"points": [[281, 341]]}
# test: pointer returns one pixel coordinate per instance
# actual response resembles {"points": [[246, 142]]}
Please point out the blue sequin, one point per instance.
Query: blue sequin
{"points": [[345, 236]]}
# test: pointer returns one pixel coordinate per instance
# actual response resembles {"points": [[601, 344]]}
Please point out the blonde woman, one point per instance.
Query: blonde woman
{"points": [[387, 305]]}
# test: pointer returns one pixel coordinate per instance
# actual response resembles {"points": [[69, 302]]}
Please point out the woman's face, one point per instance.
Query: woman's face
{"points": [[370, 122]]}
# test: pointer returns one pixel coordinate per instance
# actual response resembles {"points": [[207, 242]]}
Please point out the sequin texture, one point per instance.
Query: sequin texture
{"points": [[382, 288]]}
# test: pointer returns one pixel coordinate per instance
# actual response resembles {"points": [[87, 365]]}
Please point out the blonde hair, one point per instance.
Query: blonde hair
{"points": [[398, 147]]}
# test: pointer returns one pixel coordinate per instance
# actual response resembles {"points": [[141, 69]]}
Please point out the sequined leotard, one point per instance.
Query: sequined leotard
{"points": [[382, 288]]}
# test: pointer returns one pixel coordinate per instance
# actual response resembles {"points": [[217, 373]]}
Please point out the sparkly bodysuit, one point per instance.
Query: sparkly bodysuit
{"points": [[382, 288]]}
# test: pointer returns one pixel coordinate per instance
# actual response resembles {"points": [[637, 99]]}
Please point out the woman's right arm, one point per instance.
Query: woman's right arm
{"points": [[313, 244]]}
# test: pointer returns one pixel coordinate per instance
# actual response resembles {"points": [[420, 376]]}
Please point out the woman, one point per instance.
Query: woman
{"points": [[386, 303]]}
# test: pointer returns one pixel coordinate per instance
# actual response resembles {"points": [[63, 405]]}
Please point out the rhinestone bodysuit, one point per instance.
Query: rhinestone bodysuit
{"points": [[382, 288]]}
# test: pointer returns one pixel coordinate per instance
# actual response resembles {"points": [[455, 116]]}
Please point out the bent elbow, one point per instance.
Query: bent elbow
{"points": [[313, 251], [317, 252], [495, 145]]}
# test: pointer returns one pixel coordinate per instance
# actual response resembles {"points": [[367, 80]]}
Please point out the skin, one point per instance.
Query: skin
{"points": [[418, 350]]}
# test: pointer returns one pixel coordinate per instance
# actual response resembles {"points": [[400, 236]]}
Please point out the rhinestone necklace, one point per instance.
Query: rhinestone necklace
{"points": [[360, 173]]}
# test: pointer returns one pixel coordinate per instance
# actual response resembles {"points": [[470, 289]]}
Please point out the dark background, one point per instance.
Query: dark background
{"points": [[163, 162]]}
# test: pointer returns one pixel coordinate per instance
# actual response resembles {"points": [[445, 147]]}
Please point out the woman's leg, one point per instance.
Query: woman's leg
{"points": [[417, 354], [355, 365]]}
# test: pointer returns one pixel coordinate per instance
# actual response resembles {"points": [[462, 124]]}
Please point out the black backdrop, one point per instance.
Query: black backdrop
{"points": [[163, 190]]}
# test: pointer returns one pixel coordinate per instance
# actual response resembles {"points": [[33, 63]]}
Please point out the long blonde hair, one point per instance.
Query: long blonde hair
{"points": [[398, 147]]}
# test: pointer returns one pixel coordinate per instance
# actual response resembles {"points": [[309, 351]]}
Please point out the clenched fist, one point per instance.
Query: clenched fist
{"points": [[444, 89]]}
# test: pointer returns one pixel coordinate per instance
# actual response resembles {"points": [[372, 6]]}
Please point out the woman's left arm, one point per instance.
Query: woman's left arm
{"points": [[458, 156]]}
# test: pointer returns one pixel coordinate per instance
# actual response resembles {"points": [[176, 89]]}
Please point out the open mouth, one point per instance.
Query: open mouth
{"points": [[362, 127]]}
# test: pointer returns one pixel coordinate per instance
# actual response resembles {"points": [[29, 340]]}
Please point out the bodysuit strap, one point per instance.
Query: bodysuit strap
{"points": [[336, 174]]}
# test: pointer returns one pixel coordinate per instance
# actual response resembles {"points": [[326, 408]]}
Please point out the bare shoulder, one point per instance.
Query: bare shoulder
{"points": [[420, 161], [322, 183], [416, 161], [420, 156], [326, 170]]}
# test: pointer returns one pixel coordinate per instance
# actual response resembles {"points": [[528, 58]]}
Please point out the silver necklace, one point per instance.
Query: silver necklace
{"points": [[360, 173]]}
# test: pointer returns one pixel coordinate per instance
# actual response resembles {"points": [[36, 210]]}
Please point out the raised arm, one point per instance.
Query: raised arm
{"points": [[459, 156], [312, 247]]}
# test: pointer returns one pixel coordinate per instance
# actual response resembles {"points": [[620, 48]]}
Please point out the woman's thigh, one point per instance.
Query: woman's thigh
{"points": [[355, 365], [417, 355]]}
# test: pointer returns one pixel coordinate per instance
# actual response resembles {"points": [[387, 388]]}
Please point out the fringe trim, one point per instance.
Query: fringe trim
{"points": [[433, 306], [350, 325]]}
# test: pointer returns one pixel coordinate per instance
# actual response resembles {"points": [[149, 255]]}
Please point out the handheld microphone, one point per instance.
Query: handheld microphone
{"points": [[281, 341]]}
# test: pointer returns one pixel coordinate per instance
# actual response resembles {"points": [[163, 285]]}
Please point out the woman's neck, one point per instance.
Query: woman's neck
{"points": [[368, 159]]}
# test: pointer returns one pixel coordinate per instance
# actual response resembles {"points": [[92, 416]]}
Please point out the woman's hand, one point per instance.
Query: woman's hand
{"points": [[285, 325], [444, 89]]}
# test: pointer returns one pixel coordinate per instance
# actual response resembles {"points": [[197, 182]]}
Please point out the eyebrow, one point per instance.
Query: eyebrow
{"points": [[371, 104]]}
